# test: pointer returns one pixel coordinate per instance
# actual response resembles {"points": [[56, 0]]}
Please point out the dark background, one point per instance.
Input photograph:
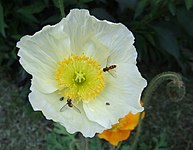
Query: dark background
{"points": [[163, 31]]}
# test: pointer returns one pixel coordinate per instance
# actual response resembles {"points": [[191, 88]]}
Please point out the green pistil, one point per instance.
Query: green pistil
{"points": [[79, 77]]}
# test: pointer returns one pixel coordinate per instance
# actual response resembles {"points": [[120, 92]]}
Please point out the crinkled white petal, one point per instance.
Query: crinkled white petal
{"points": [[122, 93], [128, 83], [45, 85], [98, 111], [40, 53], [82, 29], [99, 39], [72, 120]]}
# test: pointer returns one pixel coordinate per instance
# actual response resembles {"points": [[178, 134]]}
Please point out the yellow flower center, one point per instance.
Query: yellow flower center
{"points": [[79, 77]]}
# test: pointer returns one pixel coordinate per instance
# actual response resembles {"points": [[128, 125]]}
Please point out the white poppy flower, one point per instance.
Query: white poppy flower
{"points": [[84, 72]]}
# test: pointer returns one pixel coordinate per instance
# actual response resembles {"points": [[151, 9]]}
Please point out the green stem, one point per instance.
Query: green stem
{"points": [[119, 145], [61, 4], [84, 142], [74, 143], [155, 82], [138, 131]]}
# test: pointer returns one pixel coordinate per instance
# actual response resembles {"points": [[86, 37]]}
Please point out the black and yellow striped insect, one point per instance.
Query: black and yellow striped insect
{"points": [[110, 68], [68, 104]]}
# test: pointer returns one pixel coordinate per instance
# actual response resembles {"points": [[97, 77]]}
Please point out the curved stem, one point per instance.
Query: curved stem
{"points": [[61, 5], [155, 82]]}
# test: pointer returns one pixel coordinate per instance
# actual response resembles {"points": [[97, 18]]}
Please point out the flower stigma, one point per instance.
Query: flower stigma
{"points": [[79, 77]]}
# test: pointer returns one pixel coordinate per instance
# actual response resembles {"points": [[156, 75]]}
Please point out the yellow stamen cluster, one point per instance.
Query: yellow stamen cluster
{"points": [[79, 77]]}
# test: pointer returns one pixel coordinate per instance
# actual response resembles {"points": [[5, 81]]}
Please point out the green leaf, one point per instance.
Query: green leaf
{"points": [[185, 19], [142, 48], [125, 4], [102, 14], [59, 138], [32, 9], [85, 1], [53, 143], [2, 22], [143, 146], [150, 38], [140, 8], [189, 4], [161, 144], [59, 129], [52, 19], [29, 18], [167, 41], [27, 12], [125, 147], [70, 2], [95, 144], [172, 8], [56, 3]]}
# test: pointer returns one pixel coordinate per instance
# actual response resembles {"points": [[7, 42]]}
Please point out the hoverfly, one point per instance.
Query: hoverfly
{"points": [[110, 68], [68, 104]]}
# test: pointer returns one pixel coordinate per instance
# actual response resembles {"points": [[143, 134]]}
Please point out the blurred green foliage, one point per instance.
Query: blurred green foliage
{"points": [[163, 31], [60, 139]]}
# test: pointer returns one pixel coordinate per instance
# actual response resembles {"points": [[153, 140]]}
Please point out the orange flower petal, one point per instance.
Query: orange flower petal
{"points": [[130, 121], [121, 131], [114, 137]]}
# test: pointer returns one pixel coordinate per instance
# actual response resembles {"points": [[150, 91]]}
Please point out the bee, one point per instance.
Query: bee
{"points": [[110, 68], [69, 104]]}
